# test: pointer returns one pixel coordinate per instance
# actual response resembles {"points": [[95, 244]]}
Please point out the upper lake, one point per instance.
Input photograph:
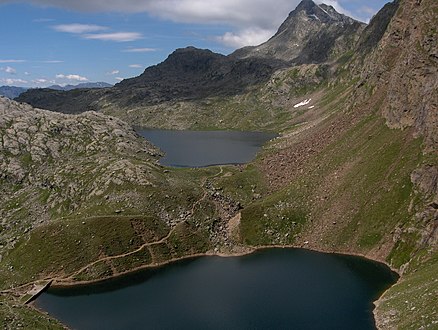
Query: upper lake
{"points": [[206, 148], [270, 289]]}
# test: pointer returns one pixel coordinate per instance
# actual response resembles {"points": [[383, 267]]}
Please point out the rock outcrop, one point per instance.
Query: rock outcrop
{"points": [[405, 65], [62, 162]]}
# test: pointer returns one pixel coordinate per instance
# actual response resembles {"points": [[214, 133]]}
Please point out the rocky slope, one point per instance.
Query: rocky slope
{"points": [[41, 151], [356, 185]]}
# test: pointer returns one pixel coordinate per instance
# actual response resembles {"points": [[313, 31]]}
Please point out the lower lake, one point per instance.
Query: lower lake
{"points": [[206, 148], [270, 289]]}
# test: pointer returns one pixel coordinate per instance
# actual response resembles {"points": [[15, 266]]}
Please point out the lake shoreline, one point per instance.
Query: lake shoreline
{"points": [[59, 283], [243, 251]]}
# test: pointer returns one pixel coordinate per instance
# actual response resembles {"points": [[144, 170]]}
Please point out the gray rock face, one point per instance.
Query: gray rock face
{"points": [[405, 66], [374, 32], [425, 179]]}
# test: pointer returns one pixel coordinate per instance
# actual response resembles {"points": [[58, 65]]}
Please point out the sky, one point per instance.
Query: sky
{"points": [[46, 42]]}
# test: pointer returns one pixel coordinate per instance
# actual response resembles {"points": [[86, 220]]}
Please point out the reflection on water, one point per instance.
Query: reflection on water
{"points": [[206, 148]]}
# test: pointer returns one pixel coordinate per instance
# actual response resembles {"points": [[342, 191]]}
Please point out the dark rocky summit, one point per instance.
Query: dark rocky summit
{"points": [[192, 73]]}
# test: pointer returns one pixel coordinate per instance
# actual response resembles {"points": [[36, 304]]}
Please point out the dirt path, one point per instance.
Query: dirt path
{"points": [[146, 245]]}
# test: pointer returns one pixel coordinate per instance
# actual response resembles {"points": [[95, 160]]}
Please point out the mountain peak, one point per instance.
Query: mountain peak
{"points": [[305, 5], [324, 13], [308, 35]]}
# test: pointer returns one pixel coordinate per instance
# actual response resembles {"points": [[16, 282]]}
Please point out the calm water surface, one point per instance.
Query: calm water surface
{"points": [[206, 148], [271, 289]]}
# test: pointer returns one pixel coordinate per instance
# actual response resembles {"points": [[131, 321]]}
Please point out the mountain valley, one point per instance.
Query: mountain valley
{"points": [[354, 169]]}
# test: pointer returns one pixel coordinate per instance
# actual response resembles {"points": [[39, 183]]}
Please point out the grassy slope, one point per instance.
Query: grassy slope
{"points": [[264, 107], [412, 303], [97, 230], [374, 190], [17, 316], [356, 196]]}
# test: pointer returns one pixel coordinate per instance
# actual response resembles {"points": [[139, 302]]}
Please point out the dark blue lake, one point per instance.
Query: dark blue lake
{"points": [[206, 148], [270, 289]]}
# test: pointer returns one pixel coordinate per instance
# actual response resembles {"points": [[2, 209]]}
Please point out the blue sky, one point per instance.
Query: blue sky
{"points": [[72, 41]]}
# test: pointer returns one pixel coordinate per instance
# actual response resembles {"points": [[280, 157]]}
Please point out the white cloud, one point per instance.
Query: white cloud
{"points": [[9, 70], [139, 50], [87, 31], [75, 77], [116, 36], [241, 15], [119, 78], [12, 61], [365, 13], [26, 73], [40, 81], [43, 20], [52, 62], [135, 66], [43, 82], [247, 37], [111, 73], [79, 28], [8, 81]]}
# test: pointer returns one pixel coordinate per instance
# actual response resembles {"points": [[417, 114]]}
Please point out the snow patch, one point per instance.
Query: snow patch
{"points": [[305, 102], [311, 107], [324, 10]]}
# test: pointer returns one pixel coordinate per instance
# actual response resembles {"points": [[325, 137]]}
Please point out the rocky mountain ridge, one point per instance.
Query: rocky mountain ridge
{"points": [[12, 91], [69, 87], [193, 74]]}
